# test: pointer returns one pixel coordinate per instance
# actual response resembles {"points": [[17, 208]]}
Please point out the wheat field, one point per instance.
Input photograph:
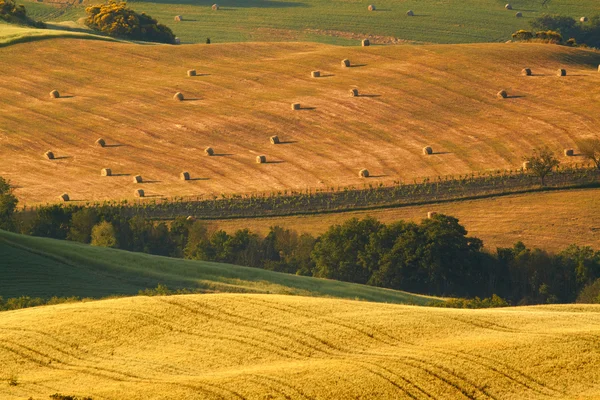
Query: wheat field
{"points": [[443, 96], [282, 347]]}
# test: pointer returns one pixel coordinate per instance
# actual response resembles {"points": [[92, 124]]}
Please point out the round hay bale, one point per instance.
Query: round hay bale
{"points": [[191, 72], [105, 172], [209, 151], [569, 152], [519, 14], [371, 7], [261, 159], [295, 106], [100, 142], [561, 72], [275, 139], [178, 18], [526, 72], [345, 63], [502, 94], [137, 179], [215, 7], [64, 197], [431, 214], [583, 19], [49, 155], [178, 96], [526, 165], [190, 218], [315, 74], [508, 7], [363, 173], [598, 68], [366, 42], [139, 193], [177, 41], [410, 13], [427, 150], [184, 176], [54, 94], [353, 92]]}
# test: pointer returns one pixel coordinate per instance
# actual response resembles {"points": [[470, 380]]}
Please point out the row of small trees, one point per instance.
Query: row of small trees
{"points": [[553, 28]]}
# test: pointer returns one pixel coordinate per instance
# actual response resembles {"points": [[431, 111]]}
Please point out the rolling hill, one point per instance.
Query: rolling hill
{"points": [[548, 220], [335, 22], [40, 267], [239, 346], [443, 96]]}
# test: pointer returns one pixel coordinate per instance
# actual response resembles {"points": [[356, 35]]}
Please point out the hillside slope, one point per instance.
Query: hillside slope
{"points": [[45, 267], [230, 346], [443, 96]]}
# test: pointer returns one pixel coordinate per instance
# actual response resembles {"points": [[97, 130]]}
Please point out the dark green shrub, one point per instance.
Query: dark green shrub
{"points": [[522, 35], [10, 12]]}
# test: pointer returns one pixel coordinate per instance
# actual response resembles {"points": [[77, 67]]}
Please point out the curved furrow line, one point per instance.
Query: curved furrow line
{"points": [[453, 374], [252, 323], [299, 311], [395, 375], [285, 385], [248, 342]]}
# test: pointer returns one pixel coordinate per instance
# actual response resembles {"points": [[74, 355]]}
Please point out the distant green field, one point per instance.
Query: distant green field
{"points": [[12, 34], [40, 267], [437, 21]]}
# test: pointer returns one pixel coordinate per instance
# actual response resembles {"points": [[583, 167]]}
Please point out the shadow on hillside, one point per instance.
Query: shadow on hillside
{"points": [[441, 152], [326, 75], [515, 97], [66, 97], [142, 182], [231, 5], [307, 108], [222, 155], [198, 179], [377, 176], [62, 157], [357, 65], [369, 95], [288, 142], [121, 175], [115, 145], [192, 99], [583, 58], [274, 162]]}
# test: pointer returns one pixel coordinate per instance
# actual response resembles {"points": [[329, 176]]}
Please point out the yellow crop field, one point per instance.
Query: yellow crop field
{"points": [[443, 96], [548, 220], [232, 346]]}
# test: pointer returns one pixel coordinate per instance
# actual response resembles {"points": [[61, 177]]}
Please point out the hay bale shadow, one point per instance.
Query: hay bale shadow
{"points": [[357, 66], [515, 97], [142, 182], [192, 99], [307, 108], [377, 176], [121, 175], [369, 95], [222, 155], [115, 145], [273, 162], [441, 152], [62, 157], [288, 142], [326, 75], [198, 179]]}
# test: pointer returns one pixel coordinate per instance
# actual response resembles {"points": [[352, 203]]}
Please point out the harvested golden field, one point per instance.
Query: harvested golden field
{"points": [[548, 220], [273, 346], [442, 96]]}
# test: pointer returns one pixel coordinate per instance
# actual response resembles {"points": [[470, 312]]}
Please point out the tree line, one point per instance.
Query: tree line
{"points": [[435, 256]]}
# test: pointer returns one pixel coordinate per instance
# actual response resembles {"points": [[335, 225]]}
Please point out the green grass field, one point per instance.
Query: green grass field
{"points": [[13, 34], [341, 22], [44, 267]]}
